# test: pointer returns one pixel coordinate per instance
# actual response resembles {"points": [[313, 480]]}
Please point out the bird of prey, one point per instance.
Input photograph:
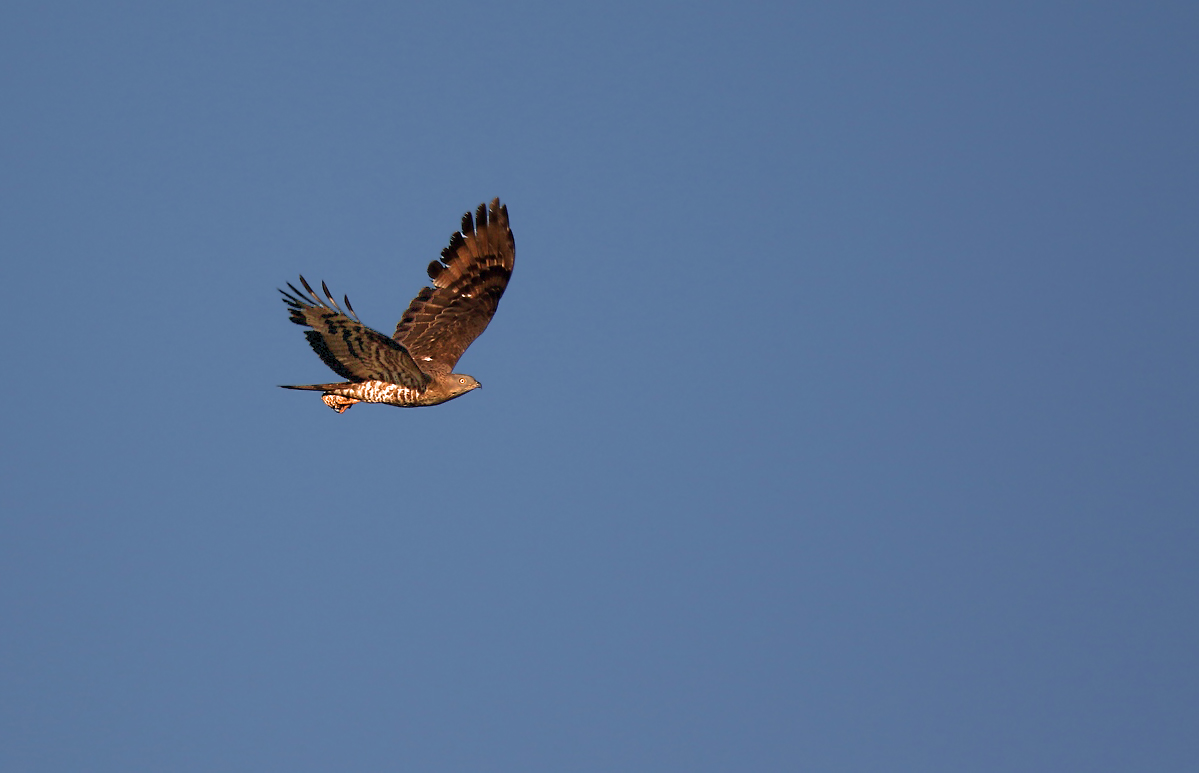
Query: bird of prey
{"points": [[415, 365]]}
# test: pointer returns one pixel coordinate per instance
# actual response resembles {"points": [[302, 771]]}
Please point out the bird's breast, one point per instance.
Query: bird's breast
{"points": [[380, 392]]}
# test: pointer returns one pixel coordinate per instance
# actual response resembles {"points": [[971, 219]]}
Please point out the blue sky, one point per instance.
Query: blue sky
{"points": [[839, 415]]}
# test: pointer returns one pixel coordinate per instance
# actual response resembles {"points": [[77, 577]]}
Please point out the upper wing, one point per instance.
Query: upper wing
{"points": [[467, 284], [350, 348]]}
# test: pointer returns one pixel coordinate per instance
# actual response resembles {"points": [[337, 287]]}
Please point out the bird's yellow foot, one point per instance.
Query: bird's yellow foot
{"points": [[338, 403]]}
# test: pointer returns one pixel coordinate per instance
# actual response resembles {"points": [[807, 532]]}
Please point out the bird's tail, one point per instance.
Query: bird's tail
{"points": [[319, 387]]}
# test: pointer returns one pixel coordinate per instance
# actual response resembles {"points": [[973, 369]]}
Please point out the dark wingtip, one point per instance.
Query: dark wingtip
{"points": [[294, 299], [308, 287], [329, 297], [456, 243]]}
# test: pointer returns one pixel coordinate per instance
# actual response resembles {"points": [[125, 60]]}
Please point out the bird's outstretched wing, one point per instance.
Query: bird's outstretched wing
{"points": [[350, 348], [467, 284]]}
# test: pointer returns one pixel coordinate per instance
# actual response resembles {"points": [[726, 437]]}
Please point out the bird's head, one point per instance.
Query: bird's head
{"points": [[462, 383]]}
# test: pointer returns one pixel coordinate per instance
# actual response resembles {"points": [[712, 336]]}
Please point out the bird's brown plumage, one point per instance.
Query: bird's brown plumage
{"points": [[414, 366]]}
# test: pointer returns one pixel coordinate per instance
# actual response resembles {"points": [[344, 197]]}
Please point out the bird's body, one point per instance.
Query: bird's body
{"points": [[415, 366], [342, 396]]}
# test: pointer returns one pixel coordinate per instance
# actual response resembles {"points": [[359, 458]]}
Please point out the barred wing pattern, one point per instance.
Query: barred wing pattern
{"points": [[350, 348], [468, 281]]}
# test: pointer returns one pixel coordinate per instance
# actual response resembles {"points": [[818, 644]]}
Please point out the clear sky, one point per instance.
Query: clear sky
{"points": [[840, 415]]}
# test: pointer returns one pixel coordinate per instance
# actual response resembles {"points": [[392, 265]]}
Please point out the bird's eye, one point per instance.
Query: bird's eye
{"points": [[461, 381]]}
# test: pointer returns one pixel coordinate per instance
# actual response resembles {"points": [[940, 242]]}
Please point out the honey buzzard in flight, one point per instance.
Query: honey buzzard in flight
{"points": [[415, 366]]}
